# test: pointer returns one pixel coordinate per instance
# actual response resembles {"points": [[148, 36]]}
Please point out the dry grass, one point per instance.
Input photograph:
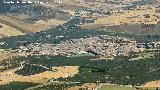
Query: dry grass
{"points": [[90, 85], [30, 27], [144, 55], [130, 17], [18, 16], [74, 88], [72, 12], [50, 22], [151, 84], [4, 55], [8, 31], [65, 71]]}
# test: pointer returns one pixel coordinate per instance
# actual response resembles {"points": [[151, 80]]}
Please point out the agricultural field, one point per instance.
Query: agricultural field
{"points": [[6, 31], [9, 54], [25, 19], [11, 76], [151, 84], [144, 55], [130, 17], [25, 26], [128, 22], [110, 87]]}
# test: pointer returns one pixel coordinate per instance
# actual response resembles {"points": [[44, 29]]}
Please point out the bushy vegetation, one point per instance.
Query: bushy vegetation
{"points": [[28, 70], [119, 71], [5, 8], [17, 86]]}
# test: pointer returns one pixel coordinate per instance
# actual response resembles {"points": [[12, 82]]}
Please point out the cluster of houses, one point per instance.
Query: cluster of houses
{"points": [[92, 46]]}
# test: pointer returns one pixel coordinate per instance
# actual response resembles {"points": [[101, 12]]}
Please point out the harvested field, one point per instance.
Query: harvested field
{"points": [[9, 31], [138, 29], [24, 26], [135, 21], [4, 55], [65, 71], [74, 88], [144, 55], [135, 16], [18, 16], [49, 22], [152, 84]]}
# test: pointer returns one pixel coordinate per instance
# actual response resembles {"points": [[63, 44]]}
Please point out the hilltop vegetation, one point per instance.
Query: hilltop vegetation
{"points": [[17, 86], [120, 70]]}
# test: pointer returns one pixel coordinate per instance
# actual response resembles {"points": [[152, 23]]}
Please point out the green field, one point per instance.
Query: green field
{"points": [[115, 88], [149, 88]]}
